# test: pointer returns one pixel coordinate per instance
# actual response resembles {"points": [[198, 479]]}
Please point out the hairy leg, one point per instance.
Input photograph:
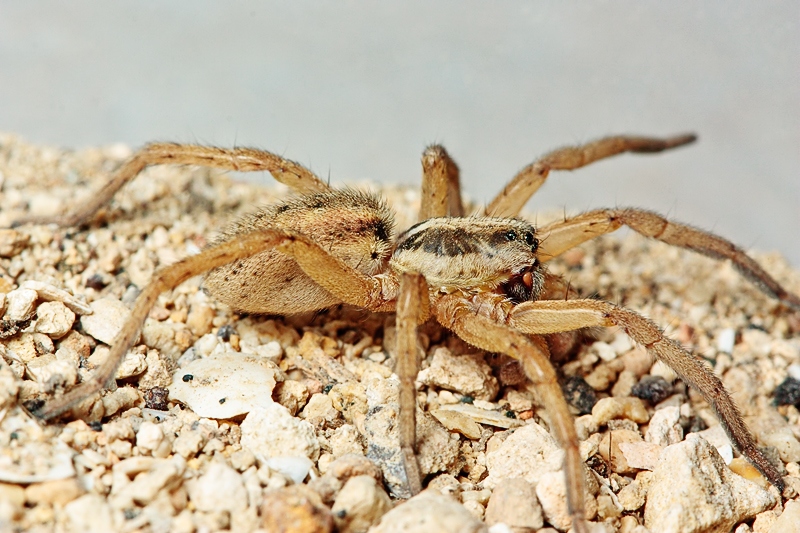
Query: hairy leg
{"points": [[412, 308], [559, 237], [350, 285], [285, 171], [528, 180], [441, 190], [458, 314], [543, 317]]}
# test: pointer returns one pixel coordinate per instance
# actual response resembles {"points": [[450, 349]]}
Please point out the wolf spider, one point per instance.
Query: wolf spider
{"points": [[481, 276]]}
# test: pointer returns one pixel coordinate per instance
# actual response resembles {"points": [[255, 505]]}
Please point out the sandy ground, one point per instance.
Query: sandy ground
{"points": [[132, 460]]}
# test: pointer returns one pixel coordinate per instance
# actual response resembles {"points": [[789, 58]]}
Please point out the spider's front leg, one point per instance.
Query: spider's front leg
{"points": [[461, 316], [552, 316]]}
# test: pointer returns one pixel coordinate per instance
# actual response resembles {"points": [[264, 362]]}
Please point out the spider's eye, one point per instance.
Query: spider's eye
{"points": [[374, 255], [511, 235], [529, 237]]}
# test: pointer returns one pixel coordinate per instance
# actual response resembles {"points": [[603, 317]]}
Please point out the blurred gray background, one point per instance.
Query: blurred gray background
{"points": [[355, 90]]}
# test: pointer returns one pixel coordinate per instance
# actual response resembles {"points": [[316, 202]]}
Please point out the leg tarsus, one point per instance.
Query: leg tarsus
{"points": [[528, 180], [559, 237], [550, 316], [441, 189]]}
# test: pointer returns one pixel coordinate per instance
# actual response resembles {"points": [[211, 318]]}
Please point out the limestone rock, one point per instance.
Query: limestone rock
{"points": [[107, 318], [220, 488], [429, 512], [514, 503], [270, 431], [528, 453], [225, 385], [693, 491], [360, 504], [468, 374]]}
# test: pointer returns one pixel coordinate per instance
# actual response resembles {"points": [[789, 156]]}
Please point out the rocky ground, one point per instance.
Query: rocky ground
{"points": [[219, 421]]}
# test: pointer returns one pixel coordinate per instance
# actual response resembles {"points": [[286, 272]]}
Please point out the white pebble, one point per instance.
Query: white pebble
{"points": [[220, 488], [295, 468], [149, 436], [679, 498], [224, 385], [528, 453], [360, 504], [270, 431], [427, 512], [106, 320], [50, 293], [725, 340], [20, 304], [54, 319]]}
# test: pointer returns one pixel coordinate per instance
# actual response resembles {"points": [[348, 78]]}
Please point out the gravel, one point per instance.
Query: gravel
{"points": [[209, 457]]}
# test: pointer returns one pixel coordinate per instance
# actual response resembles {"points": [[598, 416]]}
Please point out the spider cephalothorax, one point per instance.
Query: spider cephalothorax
{"points": [[480, 276]]}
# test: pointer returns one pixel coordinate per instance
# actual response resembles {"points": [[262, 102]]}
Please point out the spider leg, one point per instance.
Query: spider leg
{"points": [[541, 317], [441, 190], [330, 272], [412, 309], [559, 237], [285, 171], [528, 180], [458, 314]]}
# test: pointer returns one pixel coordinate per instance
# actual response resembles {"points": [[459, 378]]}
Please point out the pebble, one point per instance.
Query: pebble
{"points": [[91, 514], [225, 385], [107, 318], [665, 428], [633, 495], [611, 452], [220, 488], [149, 436], [54, 319], [483, 416], [610, 408], [467, 374], [51, 293], [429, 512], [725, 340], [437, 448], [360, 504], [528, 453], [789, 520], [12, 242], [295, 509], [640, 455], [693, 491], [514, 503], [551, 490], [270, 431], [20, 304], [320, 406], [455, 421], [294, 468]]}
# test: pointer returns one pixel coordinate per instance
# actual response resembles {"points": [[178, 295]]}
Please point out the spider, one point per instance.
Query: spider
{"points": [[482, 276]]}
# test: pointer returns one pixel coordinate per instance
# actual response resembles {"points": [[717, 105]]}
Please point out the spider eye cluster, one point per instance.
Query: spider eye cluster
{"points": [[511, 235]]}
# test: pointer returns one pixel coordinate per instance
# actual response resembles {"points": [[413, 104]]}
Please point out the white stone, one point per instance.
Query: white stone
{"points": [[220, 488], [107, 318], [528, 453], [224, 385], [54, 319], [693, 491], [514, 502], [149, 436], [20, 304], [429, 512], [468, 374], [360, 504], [91, 514], [50, 293], [664, 428], [725, 340], [295, 468], [270, 431], [552, 493]]}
